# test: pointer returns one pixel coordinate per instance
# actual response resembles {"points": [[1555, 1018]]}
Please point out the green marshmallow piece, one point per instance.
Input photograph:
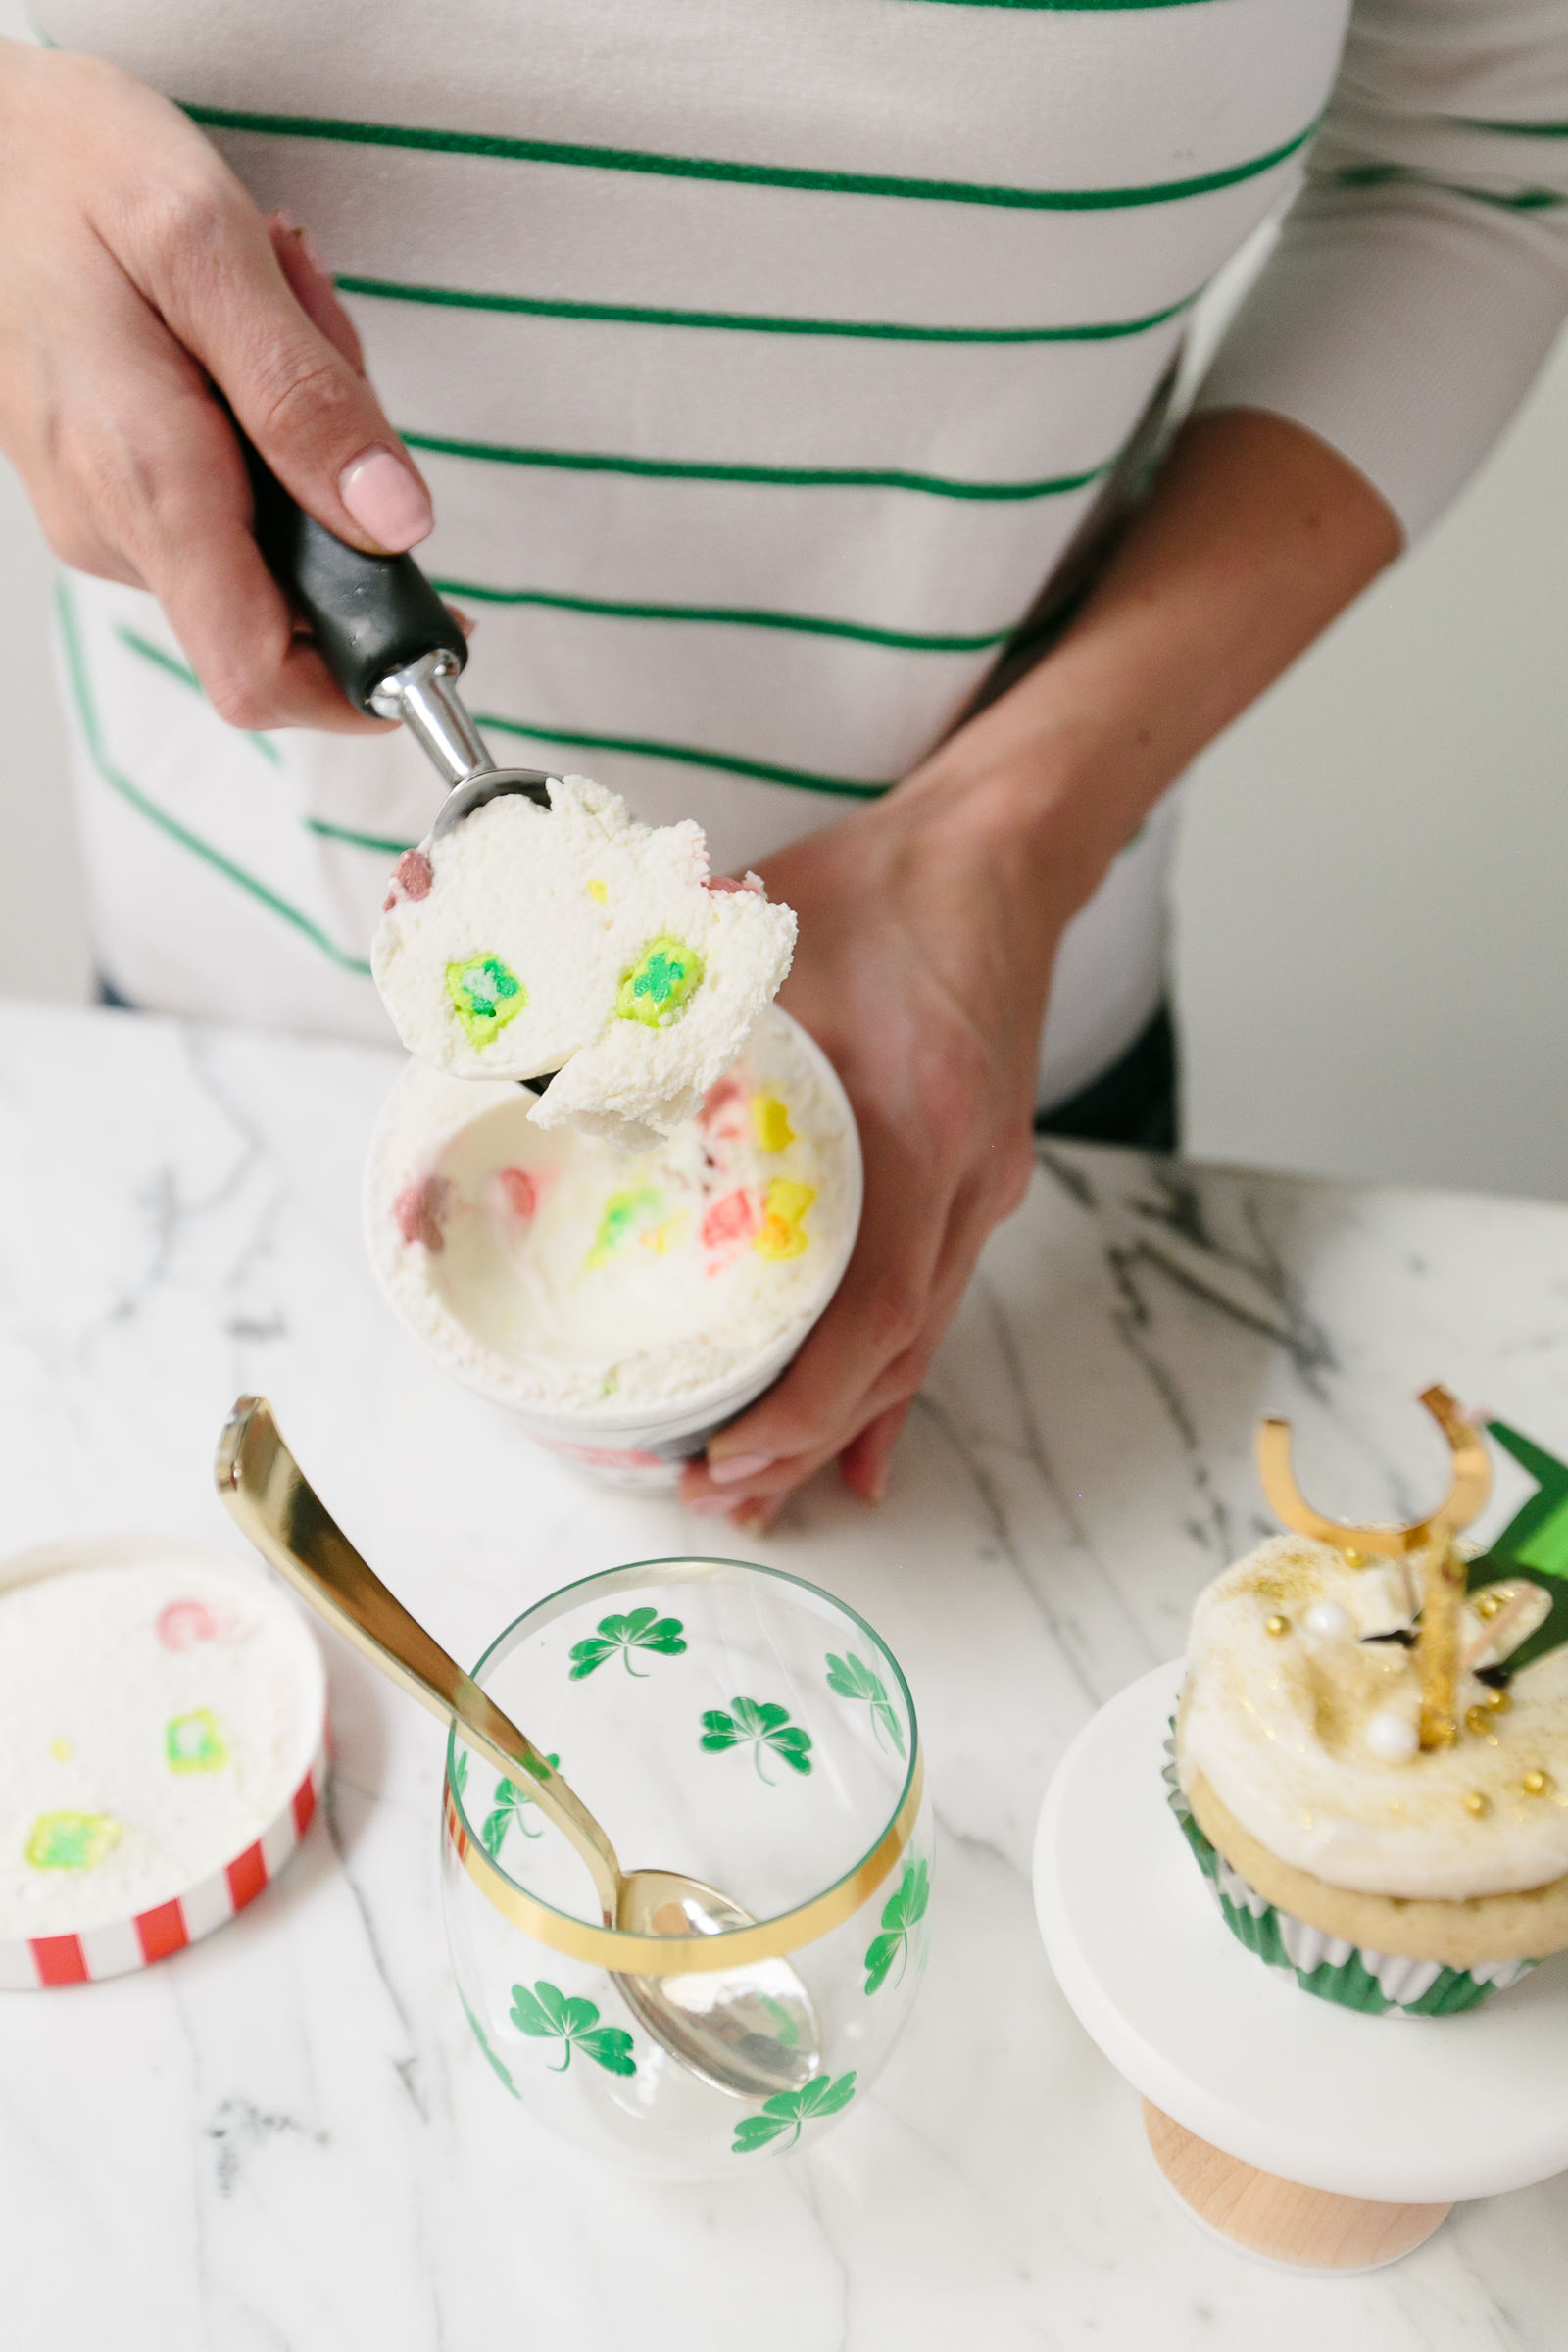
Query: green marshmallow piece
{"points": [[70, 1840], [194, 1743], [656, 989], [486, 994]]}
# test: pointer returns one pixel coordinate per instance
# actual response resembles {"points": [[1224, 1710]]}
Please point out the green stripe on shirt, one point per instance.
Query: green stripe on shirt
{"points": [[251, 884], [731, 763], [742, 616], [625, 314], [173, 669], [384, 844], [794, 477], [1512, 130], [1395, 175], [763, 771], [767, 176]]}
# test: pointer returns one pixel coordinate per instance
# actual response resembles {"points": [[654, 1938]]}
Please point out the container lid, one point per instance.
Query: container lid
{"points": [[163, 1722]]}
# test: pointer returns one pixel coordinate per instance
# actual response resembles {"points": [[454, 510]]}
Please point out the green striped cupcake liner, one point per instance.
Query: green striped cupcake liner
{"points": [[1377, 1984]]}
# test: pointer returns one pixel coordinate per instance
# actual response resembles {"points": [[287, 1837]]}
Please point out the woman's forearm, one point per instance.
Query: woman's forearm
{"points": [[1255, 537]]}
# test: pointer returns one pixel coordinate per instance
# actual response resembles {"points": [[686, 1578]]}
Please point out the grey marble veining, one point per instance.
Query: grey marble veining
{"points": [[284, 2140]]}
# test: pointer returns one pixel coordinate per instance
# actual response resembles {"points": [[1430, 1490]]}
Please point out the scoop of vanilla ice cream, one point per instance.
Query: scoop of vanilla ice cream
{"points": [[579, 941]]}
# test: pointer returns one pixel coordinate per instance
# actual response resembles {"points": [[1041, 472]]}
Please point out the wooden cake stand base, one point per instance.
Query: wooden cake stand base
{"points": [[1281, 2219], [1288, 2127]]}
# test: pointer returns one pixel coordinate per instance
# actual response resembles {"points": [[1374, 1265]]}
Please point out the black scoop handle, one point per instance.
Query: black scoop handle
{"points": [[370, 614]]}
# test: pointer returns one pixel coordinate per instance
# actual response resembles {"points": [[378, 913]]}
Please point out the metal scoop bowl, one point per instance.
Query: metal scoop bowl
{"points": [[748, 2030]]}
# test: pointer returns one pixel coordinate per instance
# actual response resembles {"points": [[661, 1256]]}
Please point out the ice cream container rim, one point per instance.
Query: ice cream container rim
{"points": [[696, 1408], [86, 1955]]}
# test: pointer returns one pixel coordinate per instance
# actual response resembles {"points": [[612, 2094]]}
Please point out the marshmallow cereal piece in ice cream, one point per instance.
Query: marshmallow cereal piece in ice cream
{"points": [[578, 941]]}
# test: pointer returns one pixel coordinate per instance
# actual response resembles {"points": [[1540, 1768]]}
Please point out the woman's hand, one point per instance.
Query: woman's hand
{"points": [[929, 921], [926, 940], [137, 273]]}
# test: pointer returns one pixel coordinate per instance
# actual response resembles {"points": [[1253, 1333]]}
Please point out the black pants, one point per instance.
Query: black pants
{"points": [[1135, 1102]]}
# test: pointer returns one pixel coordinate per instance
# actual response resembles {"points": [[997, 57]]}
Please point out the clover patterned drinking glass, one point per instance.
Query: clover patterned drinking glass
{"points": [[734, 1724]]}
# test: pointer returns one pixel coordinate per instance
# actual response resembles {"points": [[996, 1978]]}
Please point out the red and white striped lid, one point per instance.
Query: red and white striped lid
{"points": [[86, 1952]]}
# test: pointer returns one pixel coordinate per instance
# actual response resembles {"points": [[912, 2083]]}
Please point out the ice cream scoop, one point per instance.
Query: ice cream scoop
{"points": [[390, 643], [738, 2017]]}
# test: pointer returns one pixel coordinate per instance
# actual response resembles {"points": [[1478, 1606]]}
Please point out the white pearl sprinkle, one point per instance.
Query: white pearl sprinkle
{"points": [[1330, 1621], [1392, 1736]]}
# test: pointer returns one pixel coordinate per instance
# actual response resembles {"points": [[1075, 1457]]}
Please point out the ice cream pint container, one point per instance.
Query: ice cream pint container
{"points": [[622, 1305]]}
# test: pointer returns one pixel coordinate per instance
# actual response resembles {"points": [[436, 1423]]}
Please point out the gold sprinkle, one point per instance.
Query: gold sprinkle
{"points": [[597, 890], [1489, 1606], [1476, 1804], [1537, 1783], [1276, 1625], [1479, 1719], [1497, 1700], [60, 1749], [1354, 1559]]}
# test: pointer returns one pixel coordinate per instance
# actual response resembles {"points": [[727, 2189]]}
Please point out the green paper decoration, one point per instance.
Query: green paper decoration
{"points": [[1533, 1544]]}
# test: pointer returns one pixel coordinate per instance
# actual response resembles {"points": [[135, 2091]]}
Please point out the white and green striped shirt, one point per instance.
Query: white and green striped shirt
{"points": [[763, 357]]}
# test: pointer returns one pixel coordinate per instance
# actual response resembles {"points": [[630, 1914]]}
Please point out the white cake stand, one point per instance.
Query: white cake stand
{"points": [[1300, 2131]]}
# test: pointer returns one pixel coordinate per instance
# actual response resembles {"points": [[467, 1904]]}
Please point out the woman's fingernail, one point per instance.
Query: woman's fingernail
{"points": [[385, 500], [731, 1468], [314, 255], [284, 221], [704, 1506]]}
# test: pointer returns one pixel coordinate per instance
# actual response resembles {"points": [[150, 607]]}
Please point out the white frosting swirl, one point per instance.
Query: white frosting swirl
{"points": [[1280, 1725]]}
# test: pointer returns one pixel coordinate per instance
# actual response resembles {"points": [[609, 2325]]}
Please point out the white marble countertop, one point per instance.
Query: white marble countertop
{"points": [[285, 2139]]}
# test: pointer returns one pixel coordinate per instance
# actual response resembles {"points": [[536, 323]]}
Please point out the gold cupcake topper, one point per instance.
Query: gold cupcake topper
{"points": [[1442, 1571]]}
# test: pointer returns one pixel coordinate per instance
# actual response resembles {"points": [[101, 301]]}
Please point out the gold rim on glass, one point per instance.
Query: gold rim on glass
{"points": [[625, 1955]]}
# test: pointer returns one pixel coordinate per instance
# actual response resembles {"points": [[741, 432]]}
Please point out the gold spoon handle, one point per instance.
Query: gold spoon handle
{"points": [[269, 1495]]}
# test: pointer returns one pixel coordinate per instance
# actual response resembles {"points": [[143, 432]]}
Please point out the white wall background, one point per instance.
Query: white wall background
{"points": [[1371, 951]]}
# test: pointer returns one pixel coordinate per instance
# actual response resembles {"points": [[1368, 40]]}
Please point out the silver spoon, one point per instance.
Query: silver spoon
{"points": [[750, 2030]]}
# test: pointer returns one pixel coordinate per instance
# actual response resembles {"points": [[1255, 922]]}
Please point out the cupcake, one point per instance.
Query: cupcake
{"points": [[1370, 1759]]}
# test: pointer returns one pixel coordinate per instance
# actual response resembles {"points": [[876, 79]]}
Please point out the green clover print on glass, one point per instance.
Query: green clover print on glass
{"points": [[459, 1770], [759, 1724], [508, 1804], [852, 1678], [494, 2061], [644, 1629], [787, 2110], [550, 2015], [902, 1914]]}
